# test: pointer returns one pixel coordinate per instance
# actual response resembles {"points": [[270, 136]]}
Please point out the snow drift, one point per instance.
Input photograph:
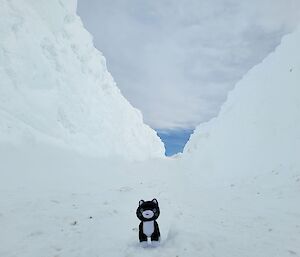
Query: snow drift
{"points": [[244, 166], [259, 125], [55, 86]]}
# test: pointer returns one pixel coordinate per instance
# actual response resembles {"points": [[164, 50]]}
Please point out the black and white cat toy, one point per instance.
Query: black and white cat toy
{"points": [[148, 212]]}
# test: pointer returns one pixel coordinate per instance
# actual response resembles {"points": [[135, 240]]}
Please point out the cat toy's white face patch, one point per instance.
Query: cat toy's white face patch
{"points": [[148, 214]]}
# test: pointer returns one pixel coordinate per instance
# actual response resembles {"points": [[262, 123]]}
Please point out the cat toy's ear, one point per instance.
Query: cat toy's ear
{"points": [[155, 201], [141, 202]]}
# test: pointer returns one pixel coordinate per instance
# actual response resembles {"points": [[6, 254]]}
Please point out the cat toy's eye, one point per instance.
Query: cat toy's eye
{"points": [[154, 210], [141, 210]]}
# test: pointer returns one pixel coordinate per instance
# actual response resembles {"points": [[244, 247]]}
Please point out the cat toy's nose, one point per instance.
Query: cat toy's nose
{"points": [[148, 214]]}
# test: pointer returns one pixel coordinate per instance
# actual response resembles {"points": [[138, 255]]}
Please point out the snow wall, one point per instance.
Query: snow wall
{"points": [[55, 87], [258, 128]]}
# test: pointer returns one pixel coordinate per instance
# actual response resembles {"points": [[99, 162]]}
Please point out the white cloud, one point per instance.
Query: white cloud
{"points": [[176, 60]]}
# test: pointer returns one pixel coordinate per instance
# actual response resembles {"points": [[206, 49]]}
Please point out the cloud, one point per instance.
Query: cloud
{"points": [[177, 60]]}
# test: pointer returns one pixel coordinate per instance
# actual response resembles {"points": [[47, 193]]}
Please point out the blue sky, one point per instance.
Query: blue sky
{"points": [[174, 140], [177, 60]]}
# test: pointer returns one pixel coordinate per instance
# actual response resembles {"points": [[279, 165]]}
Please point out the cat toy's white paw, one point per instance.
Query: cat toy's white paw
{"points": [[144, 244], [155, 243]]}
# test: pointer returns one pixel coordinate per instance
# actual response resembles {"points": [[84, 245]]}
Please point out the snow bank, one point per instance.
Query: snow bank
{"points": [[244, 167], [259, 125], [55, 86]]}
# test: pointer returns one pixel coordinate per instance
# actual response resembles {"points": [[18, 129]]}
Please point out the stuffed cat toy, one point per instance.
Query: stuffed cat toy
{"points": [[148, 212]]}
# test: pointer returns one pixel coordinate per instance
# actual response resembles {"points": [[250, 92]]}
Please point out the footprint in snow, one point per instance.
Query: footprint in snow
{"points": [[125, 189]]}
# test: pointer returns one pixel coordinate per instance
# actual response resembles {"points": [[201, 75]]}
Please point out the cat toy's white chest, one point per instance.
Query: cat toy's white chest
{"points": [[148, 228]]}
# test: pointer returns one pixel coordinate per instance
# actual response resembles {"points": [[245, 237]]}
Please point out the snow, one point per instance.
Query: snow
{"points": [[245, 166], [259, 124], [55, 85], [59, 203], [235, 191]]}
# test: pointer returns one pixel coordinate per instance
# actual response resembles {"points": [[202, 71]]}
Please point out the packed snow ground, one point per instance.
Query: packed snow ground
{"points": [[45, 190], [55, 202]]}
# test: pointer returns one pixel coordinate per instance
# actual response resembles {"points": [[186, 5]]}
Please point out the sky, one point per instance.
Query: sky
{"points": [[177, 60], [174, 140]]}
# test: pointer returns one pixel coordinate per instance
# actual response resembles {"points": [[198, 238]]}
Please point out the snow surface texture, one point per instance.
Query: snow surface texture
{"points": [[55, 85], [260, 121]]}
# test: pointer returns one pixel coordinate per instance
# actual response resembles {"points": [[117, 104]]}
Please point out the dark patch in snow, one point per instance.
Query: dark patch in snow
{"points": [[292, 252], [74, 223]]}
